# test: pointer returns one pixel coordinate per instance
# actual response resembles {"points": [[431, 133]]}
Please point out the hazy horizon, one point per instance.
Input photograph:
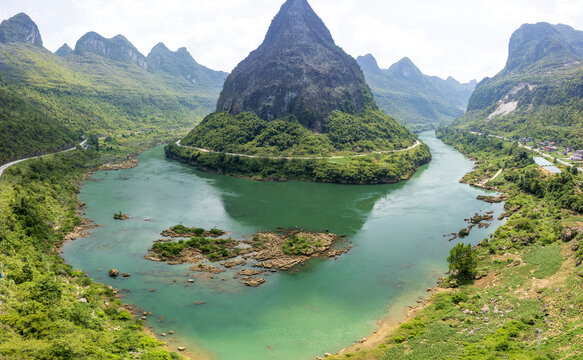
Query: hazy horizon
{"points": [[453, 38]]}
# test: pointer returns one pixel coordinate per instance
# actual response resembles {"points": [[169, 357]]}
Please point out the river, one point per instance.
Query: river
{"points": [[397, 232]]}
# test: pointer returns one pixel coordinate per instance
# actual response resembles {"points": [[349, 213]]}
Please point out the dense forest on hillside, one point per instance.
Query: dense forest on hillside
{"points": [[56, 101], [48, 309]]}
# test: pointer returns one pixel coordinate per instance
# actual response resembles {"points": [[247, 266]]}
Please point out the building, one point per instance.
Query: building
{"points": [[546, 165]]}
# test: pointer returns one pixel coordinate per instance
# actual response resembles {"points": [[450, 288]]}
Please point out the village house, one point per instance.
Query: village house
{"points": [[577, 156]]}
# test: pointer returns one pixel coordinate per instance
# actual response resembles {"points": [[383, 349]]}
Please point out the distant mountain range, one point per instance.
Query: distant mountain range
{"points": [[103, 86], [416, 100], [539, 93]]}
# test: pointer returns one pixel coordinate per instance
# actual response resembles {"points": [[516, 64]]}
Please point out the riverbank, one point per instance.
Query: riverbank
{"points": [[373, 168], [525, 301], [391, 251], [40, 212]]}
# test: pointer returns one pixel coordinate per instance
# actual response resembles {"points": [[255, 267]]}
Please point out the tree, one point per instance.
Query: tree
{"points": [[93, 141], [463, 261]]}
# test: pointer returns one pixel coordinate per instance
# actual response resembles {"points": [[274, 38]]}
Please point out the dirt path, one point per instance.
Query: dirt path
{"points": [[483, 183], [417, 143]]}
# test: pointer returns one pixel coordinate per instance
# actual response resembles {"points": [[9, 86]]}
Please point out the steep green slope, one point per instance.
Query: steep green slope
{"points": [[539, 93], [49, 310], [416, 100], [54, 100]]}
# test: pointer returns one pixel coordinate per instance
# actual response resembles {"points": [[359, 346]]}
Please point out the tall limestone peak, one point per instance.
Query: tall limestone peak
{"points": [[20, 28], [545, 43], [298, 70], [117, 48], [64, 50]]}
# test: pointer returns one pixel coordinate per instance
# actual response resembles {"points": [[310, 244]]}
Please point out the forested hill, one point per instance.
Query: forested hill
{"points": [[103, 87], [416, 100], [539, 93]]}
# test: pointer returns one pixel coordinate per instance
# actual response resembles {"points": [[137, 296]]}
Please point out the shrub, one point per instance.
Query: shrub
{"points": [[463, 261]]}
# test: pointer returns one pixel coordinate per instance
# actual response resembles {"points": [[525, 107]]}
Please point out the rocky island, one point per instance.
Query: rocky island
{"points": [[298, 107], [267, 251]]}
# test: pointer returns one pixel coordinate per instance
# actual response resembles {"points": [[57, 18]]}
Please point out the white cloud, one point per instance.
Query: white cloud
{"points": [[465, 39]]}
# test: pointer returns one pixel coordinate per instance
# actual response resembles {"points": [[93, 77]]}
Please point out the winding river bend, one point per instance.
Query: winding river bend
{"points": [[397, 232]]}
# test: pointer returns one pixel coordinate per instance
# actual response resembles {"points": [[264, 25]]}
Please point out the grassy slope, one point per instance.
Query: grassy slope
{"points": [[552, 111], [49, 310], [90, 94], [529, 277]]}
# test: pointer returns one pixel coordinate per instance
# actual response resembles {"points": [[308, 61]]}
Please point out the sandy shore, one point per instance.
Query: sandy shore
{"points": [[400, 312]]}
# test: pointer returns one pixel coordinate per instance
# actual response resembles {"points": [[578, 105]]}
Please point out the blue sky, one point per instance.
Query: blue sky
{"points": [[467, 39]]}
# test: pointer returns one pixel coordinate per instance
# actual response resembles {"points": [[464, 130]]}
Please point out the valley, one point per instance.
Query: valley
{"points": [[307, 204]]}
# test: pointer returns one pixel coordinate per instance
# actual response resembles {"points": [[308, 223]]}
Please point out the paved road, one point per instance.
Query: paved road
{"points": [[531, 149], [417, 143], [6, 166]]}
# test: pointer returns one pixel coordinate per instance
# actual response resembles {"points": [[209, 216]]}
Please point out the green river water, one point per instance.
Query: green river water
{"points": [[397, 232]]}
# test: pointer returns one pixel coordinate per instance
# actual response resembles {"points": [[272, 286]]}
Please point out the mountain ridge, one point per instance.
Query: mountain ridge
{"points": [[539, 93], [418, 101], [20, 28]]}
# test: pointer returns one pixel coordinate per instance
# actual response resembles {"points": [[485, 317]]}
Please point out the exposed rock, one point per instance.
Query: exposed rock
{"points": [[297, 70], [233, 263], [20, 28], [126, 275], [120, 216], [254, 282], [206, 268], [114, 272], [249, 272], [283, 263], [117, 48], [569, 234]]}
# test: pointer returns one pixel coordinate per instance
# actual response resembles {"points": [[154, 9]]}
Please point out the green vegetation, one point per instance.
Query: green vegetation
{"points": [[343, 133], [300, 245], [181, 229], [120, 216], [48, 309], [213, 249], [48, 103], [545, 85], [370, 169], [350, 137], [528, 273], [462, 261]]}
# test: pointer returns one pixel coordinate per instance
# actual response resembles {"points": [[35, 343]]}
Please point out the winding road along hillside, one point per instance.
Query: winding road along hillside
{"points": [[6, 166]]}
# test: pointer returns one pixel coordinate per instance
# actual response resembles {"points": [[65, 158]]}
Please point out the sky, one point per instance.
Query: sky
{"points": [[466, 39]]}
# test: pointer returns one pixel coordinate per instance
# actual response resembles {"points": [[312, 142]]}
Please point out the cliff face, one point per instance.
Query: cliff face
{"points": [[20, 28], [117, 48], [297, 70]]}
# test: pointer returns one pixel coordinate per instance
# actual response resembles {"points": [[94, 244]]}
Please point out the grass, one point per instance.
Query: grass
{"points": [[530, 283], [547, 260]]}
